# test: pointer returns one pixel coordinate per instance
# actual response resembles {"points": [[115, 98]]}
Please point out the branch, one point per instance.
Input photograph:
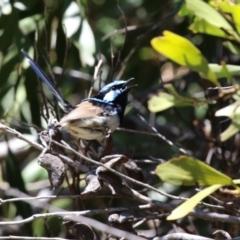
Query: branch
{"points": [[77, 217], [20, 136], [66, 146], [182, 236], [67, 160], [34, 238], [95, 76], [209, 216], [181, 150], [60, 212]]}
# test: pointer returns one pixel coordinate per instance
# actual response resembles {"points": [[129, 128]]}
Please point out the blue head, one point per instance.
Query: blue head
{"points": [[114, 92]]}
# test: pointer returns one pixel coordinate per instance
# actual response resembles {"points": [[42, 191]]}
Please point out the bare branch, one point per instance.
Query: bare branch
{"points": [[33, 238], [118, 173], [182, 236], [95, 76], [76, 217], [181, 150], [209, 216], [18, 135]]}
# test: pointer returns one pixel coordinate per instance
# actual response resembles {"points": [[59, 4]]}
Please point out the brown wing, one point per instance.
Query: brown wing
{"points": [[82, 110]]}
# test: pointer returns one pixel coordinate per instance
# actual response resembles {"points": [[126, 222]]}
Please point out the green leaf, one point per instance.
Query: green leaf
{"points": [[183, 10], [202, 26], [232, 47], [208, 13], [79, 30], [183, 52], [232, 111], [223, 6], [220, 72], [229, 132], [29, 24], [164, 101], [186, 207], [188, 171], [236, 16], [236, 181]]}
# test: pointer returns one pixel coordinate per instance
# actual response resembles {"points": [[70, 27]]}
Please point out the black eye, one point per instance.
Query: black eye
{"points": [[113, 88]]}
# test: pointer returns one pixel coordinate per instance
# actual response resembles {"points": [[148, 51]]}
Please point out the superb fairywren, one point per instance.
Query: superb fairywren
{"points": [[92, 118]]}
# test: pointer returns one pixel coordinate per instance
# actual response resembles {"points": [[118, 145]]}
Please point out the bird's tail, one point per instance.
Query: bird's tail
{"points": [[65, 105]]}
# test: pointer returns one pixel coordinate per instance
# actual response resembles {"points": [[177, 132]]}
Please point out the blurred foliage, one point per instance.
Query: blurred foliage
{"points": [[185, 57]]}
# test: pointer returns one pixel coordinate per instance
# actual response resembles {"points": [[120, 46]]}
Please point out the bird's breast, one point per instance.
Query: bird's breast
{"points": [[94, 127]]}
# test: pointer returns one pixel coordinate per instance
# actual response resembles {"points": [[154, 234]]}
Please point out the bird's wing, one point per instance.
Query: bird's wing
{"points": [[83, 110]]}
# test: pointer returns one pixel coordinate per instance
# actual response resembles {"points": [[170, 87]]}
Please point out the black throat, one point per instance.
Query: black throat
{"points": [[118, 105]]}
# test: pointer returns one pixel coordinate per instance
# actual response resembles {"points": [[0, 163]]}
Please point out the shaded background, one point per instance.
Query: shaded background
{"points": [[45, 27]]}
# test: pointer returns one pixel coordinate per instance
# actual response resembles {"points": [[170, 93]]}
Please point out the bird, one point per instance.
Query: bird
{"points": [[93, 118]]}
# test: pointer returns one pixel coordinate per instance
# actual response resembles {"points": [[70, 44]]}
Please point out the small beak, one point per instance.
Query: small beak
{"points": [[127, 81], [128, 87]]}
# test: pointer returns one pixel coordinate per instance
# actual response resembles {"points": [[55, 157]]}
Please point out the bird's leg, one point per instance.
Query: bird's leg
{"points": [[84, 147], [107, 145]]}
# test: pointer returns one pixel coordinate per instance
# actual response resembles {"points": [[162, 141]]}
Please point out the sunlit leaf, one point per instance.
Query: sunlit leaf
{"points": [[29, 24], [232, 111], [163, 101], [223, 6], [20, 6], [236, 181], [182, 51], [79, 30], [236, 16], [86, 44], [232, 47], [186, 207], [184, 11], [202, 26], [219, 69], [230, 131], [208, 13], [188, 171]]}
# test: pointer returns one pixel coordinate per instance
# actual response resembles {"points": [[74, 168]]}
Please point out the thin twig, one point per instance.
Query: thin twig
{"points": [[20, 136], [78, 166], [95, 76], [185, 236], [136, 194], [120, 31], [67, 160], [76, 216], [39, 81], [34, 238], [115, 172], [181, 150], [95, 224], [73, 73], [32, 199], [209, 216], [118, 61]]}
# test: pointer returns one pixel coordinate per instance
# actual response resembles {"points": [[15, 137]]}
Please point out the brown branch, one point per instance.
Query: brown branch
{"points": [[209, 216], [183, 236]]}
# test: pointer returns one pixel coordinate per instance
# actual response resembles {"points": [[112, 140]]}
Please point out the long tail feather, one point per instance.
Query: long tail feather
{"points": [[66, 106]]}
